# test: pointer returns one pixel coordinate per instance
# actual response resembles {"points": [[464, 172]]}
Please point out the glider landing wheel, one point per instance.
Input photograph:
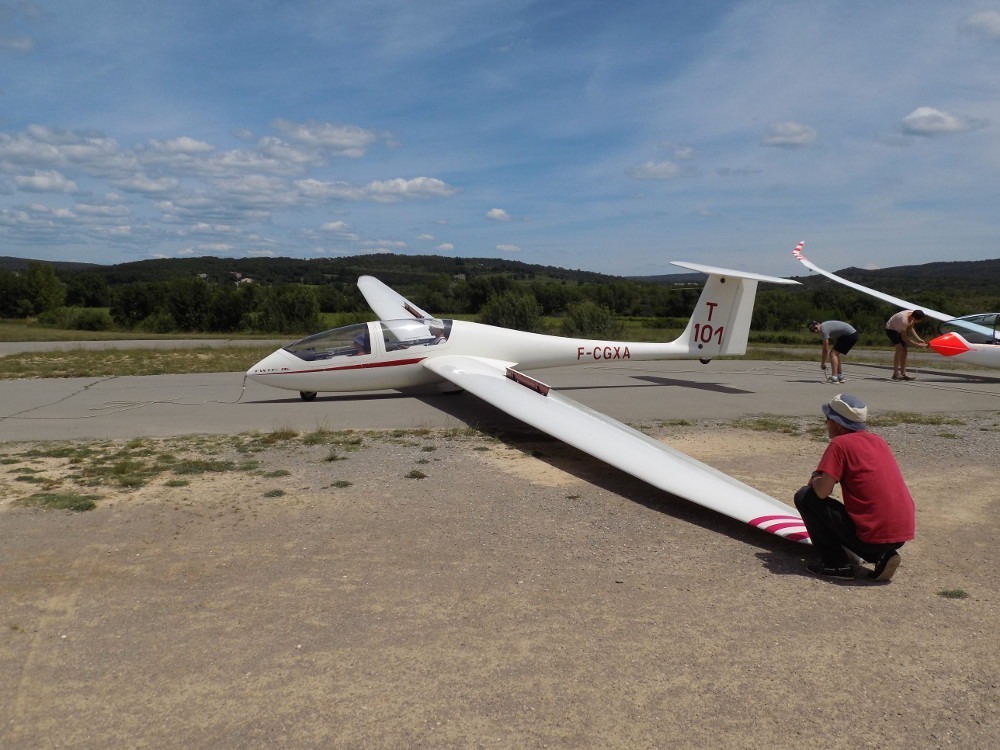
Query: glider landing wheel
{"points": [[307, 395]]}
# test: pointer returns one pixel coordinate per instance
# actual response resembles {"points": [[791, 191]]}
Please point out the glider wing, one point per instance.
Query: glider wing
{"points": [[621, 446], [797, 252], [387, 303], [985, 331]]}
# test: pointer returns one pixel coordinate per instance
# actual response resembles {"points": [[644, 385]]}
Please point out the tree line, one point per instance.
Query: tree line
{"points": [[519, 296]]}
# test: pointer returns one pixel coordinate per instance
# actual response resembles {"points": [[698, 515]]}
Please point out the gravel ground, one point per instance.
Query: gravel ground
{"points": [[520, 594]]}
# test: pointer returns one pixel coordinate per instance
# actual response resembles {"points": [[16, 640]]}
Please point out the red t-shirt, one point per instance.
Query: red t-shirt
{"points": [[875, 495]]}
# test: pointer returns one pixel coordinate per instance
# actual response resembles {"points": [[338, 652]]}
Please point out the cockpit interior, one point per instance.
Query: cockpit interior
{"points": [[364, 339]]}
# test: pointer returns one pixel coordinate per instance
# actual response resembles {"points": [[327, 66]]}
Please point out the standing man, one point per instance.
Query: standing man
{"points": [[844, 338], [877, 516], [900, 329]]}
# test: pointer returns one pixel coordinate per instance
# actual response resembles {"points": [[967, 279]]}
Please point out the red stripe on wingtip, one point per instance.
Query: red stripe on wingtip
{"points": [[776, 524], [774, 528]]}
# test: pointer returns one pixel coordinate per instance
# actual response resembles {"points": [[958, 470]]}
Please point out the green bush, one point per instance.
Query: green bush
{"points": [[512, 310], [78, 319], [160, 321], [590, 320]]}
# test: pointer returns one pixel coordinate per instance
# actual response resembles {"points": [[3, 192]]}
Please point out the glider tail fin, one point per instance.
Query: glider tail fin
{"points": [[720, 324]]}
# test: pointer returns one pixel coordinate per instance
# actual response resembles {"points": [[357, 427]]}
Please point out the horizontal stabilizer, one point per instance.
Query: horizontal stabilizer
{"points": [[730, 272]]}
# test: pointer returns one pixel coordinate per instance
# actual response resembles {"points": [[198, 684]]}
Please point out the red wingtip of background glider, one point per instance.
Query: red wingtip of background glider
{"points": [[949, 345]]}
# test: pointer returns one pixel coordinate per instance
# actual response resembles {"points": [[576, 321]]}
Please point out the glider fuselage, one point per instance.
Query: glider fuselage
{"points": [[396, 363]]}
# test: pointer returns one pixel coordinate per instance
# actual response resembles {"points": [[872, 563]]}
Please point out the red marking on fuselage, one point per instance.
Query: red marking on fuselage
{"points": [[711, 309], [528, 382], [359, 366]]}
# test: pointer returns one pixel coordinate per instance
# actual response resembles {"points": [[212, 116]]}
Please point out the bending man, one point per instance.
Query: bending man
{"points": [[844, 338], [901, 330]]}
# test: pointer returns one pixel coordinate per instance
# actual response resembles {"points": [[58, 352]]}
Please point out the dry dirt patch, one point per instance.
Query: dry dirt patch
{"points": [[521, 595]]}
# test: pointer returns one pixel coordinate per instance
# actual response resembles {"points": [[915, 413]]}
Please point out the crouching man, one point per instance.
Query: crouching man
{"points": [[877, 515]]}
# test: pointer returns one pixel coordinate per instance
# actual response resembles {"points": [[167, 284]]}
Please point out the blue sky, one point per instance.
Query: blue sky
{"points": [[605, 136]]}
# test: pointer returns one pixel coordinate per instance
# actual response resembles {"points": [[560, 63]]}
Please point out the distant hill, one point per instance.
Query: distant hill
{"points": [[974, 276], [7, 263], [978, 278], [391, 268]]}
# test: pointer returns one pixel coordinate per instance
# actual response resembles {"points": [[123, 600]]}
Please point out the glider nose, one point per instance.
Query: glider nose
{"points": [[274, 363], [949, 345]]}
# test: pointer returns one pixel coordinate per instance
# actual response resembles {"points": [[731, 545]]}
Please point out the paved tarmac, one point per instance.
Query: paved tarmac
{"points": [[221, 403]]}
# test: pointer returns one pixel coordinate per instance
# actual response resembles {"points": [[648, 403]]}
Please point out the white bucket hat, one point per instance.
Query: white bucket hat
{"points": [[848, 411]]}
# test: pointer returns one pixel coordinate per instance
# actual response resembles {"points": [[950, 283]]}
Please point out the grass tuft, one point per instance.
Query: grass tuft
{"points": [[895, 418], [202, 466], [953, 594], [59, 501], [788, 425]]}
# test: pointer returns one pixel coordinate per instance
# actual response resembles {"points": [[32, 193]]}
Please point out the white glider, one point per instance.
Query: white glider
{"points": [[977, 344], [408, 348]]}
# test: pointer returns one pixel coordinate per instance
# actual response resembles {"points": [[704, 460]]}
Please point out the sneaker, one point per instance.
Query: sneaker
{"points": [[842, 572], [840, 378], [886, 566], [831, 379], [897, 376], [908, 377]]}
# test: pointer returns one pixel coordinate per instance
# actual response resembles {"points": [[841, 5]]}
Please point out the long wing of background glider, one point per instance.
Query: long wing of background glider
{"points": [[797, 252], [617, 444], [387, 303]]}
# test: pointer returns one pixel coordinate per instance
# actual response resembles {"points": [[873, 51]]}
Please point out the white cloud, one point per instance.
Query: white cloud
{"points": [[182, 145], [788, 135], [379, 191], [340, 230], [985, 22], [101, 210], [654, 170], [425, 237], [17, 43], [340, 140], [928, 121], [497, 214], [445, 247], [681, 151], [508, 249], [382, 244], [279, 151], [204, 227], [336, 226], [140, 183], [45, 182]]}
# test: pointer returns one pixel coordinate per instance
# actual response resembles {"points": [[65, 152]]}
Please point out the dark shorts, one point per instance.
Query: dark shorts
{"points": [[844, 344], [895, 337]]}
